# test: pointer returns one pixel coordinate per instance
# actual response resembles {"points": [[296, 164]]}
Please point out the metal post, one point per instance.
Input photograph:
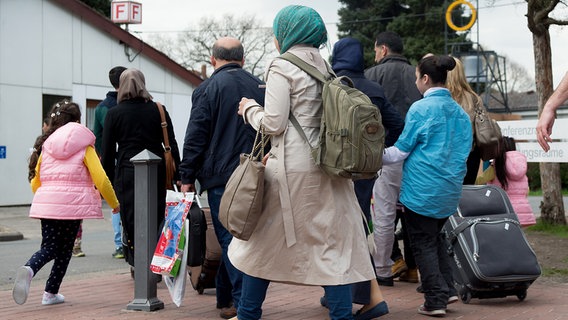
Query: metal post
{"points": [[145, 229]]}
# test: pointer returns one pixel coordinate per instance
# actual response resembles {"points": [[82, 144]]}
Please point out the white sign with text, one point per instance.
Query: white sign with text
{"points": [[126, 12], [524, 133]]}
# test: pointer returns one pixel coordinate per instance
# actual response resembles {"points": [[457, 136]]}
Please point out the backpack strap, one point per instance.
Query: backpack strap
{"points": [[299, 128]]}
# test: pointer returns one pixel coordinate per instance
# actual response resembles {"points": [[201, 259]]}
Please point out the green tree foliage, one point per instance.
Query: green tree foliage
{"points": [[421, 24], [101, 6]]}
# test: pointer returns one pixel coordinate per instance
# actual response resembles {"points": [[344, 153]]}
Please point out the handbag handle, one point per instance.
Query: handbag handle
{"points": [[260, 142], [167, 147]]}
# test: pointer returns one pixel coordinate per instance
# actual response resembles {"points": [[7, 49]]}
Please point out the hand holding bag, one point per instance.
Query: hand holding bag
{"points": [[241, 203], [487, 134], [168, 158]]}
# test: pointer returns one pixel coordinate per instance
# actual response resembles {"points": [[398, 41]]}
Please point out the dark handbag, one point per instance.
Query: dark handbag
{"points": [[487, 134], [168, 158], [241, 203]]}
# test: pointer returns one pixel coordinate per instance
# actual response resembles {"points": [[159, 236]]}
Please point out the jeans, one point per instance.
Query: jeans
{"points": [[235, 276], [116, 227], [429, 246], [385, 192], [254, 293]]}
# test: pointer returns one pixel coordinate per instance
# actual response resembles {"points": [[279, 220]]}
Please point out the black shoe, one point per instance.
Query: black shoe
{"points": [[419, 289], [377, 311], [385, 281]]}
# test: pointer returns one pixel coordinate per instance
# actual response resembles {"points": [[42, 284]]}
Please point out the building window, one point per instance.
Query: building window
{"points": [[90, 113], [48, 100]]}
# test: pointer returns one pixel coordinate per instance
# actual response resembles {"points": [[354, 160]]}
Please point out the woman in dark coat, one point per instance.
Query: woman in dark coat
{"points": [[131, 127]]}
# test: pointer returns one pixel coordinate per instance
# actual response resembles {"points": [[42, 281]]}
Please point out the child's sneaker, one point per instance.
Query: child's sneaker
{"points": [[21, 288], [118, 254], [77, 252], [50, 298], [431, 312]]}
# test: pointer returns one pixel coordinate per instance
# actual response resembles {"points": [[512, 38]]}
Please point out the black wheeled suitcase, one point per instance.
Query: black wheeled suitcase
{"points": [[490, 253], [197, 233], [207, 253]]}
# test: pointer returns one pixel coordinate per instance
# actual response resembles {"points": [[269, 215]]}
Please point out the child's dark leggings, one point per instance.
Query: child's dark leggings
{"points": [[58, 237]]}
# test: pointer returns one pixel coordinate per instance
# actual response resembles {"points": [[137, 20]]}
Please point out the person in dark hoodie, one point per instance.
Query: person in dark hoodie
{"points": [[347, 60]]}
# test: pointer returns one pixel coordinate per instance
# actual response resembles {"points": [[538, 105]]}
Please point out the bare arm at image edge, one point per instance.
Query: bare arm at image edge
{"points": [[546, 119]]}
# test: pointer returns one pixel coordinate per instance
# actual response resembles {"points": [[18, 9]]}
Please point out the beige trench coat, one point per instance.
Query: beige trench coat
{"points": [[311, 230]]}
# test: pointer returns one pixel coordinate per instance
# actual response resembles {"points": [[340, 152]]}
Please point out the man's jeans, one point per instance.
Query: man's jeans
{"points": [[385, 192], [429, 246], [116, 227], [254, 292], [224, 237]]}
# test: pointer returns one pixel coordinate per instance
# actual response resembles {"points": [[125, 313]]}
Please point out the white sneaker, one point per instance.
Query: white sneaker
{"points": [[50, 298], [22, 283]]}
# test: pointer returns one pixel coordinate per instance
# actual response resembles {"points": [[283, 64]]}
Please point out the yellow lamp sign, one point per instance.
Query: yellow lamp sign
{"points": [[449, 15]]}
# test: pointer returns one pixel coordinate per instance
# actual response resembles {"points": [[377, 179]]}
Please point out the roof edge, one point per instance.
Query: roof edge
{"points": [[104, 24]]}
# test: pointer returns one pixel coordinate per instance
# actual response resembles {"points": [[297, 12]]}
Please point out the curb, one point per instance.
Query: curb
{"points": [[7, 234]]}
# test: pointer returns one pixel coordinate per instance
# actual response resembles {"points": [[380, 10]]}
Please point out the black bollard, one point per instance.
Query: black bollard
{"points": [[146, 237]]}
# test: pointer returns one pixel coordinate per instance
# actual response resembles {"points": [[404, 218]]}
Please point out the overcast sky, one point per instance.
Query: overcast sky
{"points": [[502, 24]]}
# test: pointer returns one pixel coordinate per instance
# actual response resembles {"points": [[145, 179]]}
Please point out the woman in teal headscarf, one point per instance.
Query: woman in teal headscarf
{"points": [[310, 231], [298, 25]]}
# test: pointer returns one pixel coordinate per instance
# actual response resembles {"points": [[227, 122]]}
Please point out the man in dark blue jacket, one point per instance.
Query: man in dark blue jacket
{"points": [[215, 137], [347, 60]]}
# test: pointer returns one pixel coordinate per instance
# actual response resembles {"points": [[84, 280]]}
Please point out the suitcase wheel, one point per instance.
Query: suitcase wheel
{"points": [[522, 295], [465, 295], [200, 289]]}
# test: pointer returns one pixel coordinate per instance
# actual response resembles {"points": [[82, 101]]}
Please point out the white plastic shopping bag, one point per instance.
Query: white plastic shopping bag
{"points": [[176, 285]]}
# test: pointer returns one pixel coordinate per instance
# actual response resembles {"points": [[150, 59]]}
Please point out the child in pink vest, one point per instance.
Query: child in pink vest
{"points": [[64, 170], [509, 171]]}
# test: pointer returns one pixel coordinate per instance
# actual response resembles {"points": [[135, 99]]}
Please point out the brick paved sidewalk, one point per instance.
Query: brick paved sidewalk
{"points": [[105, 296]]}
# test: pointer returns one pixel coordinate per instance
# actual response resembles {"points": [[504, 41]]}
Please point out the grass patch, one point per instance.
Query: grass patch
{"points": [[552, 229], [550, 272], [538, 192]]}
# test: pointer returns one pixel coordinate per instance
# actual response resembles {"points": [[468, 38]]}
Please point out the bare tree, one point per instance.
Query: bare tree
{"points": [[518, 79], [539, 21], [193, 48]]}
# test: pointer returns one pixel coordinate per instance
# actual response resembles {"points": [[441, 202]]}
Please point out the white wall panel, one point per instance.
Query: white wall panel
{"points": [[57, 49], [21, 42], [21, 121]]}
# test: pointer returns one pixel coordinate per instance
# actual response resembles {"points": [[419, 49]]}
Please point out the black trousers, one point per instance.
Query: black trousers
{"points": [[429, 246]]}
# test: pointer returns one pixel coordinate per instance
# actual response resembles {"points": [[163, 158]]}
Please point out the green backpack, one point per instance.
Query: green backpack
{"points": [[352, 136]]}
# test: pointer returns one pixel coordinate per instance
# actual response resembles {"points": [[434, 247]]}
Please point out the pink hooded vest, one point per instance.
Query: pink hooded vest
{"points": [[67, 191], [518, 186]]}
